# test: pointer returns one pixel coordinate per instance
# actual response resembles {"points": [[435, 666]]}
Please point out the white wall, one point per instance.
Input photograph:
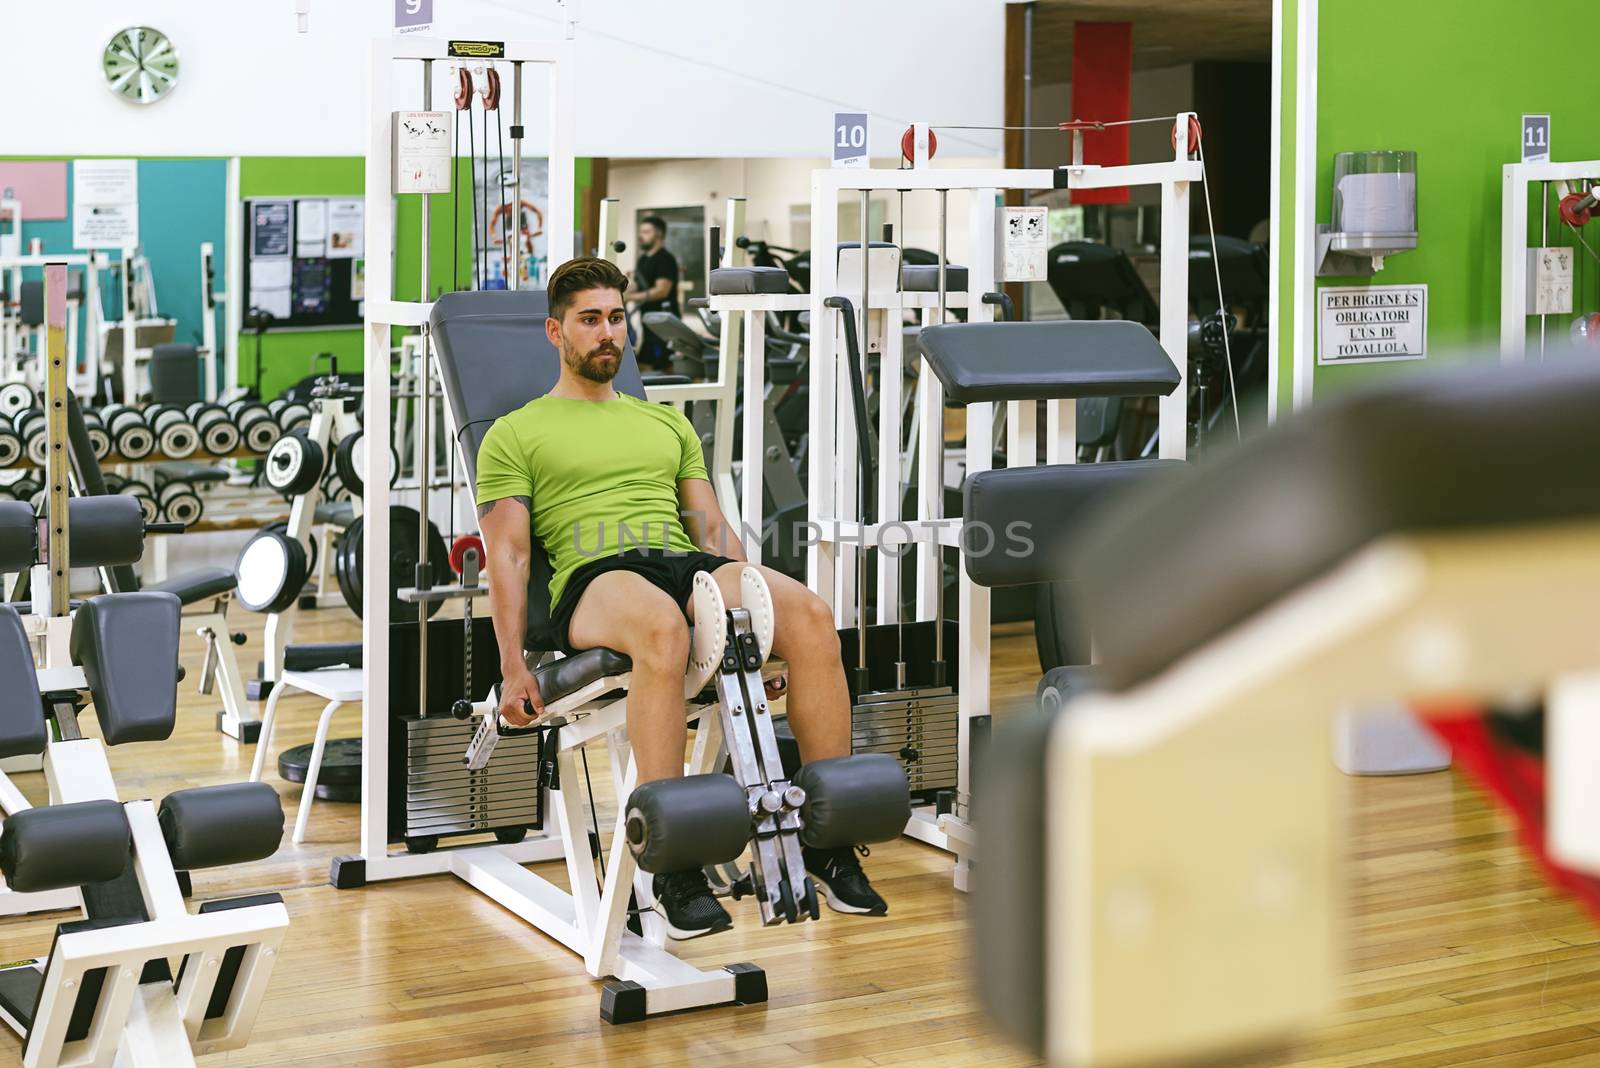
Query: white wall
{"points": [[711, 78]]}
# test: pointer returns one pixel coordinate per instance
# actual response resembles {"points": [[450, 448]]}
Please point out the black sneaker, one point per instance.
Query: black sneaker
{"points": [[691, 911], [843, 883]]}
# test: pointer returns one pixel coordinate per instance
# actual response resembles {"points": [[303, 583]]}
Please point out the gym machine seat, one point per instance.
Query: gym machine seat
{"points": [[194, 586], [1323, 562], [924, 277], [737, 281], [985, 362]]}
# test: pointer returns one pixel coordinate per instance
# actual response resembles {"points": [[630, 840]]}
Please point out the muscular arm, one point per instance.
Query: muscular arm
{"points": [[508, 541], [658, 291], [702, 518]]}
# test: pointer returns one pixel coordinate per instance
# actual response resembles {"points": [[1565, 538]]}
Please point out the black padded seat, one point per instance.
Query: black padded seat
{"points": [[1022, 522], [924, 278], [566, 676], [1058, 360], [661, 378], [337, 513], [196, 585], [734, 281], [187, 471], [314, 656], [494, 358], [1167, 569]]}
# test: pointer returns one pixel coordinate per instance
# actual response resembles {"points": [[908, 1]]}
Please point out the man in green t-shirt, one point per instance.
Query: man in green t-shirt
{"points": [[615, 489]]}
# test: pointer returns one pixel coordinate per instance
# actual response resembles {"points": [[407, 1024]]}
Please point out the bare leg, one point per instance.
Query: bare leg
{"points": [[623, 611], [804, 636]]}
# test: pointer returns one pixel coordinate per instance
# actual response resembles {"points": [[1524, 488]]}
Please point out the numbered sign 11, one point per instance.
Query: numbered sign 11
{"points": [[1535, 138], [849, 139]]}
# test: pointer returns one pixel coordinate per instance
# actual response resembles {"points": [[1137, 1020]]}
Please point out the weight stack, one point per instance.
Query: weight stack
{"points": [[917, 724], [443, 798]]}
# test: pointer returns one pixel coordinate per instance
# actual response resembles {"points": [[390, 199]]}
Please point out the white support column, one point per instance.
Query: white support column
{"points": [[233, 255], [1513, 265], [1175, 302], [822, 558], [891, 387], [563, 136], [755, 387], [930, 480]]}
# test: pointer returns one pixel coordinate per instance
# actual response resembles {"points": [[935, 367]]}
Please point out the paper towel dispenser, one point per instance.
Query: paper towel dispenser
{"points": [[1374, 213]]}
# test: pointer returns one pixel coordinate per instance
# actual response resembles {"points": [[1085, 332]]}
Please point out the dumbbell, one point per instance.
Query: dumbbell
{"points": [[334, 489], [217, 433], [25, 489], [257, 427], [130, 436], [99, 440], [176, 436], [140, 492], [29, 427], [291, 415], [179, 503], [11, 450]]}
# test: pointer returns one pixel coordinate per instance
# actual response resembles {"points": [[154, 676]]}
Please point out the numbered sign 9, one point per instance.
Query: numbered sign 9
{"points": [[849, 139], [413, 16], [1535, 138]]}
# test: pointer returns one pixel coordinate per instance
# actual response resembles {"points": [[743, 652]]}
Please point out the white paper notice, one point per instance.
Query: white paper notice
{"points": [[275, 302], [422, 151], [270, 274], [346, 229], [1024, 236], [1550, 272], [311, 229], [1365, 324], [105, 203]]}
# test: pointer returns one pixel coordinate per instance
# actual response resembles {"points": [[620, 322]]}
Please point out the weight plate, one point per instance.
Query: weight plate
{"points": [[403, 552], [99, 442], [282, 527], [347, 460], [10, 448], [271, 569], [135, 441], [141, 493], [178, 440], [38, 448], [183, 507], [14, 397], [220, 437], [294, 466], [262, 434]]}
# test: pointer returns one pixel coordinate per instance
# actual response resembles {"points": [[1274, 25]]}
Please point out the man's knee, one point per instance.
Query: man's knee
{"points": [[660, 640], [811, 623]]}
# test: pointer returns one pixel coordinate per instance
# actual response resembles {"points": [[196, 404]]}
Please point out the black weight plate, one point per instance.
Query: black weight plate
{"points": [[345, 462], [272, 570], [294, 466], [403, 551], [339, 777], [282, 527]]}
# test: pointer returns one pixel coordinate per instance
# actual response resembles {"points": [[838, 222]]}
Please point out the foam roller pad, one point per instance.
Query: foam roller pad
{"points": [[677, 824], [19, 536], [105, 531], [58, 846], [854, 800], [210, 826]]}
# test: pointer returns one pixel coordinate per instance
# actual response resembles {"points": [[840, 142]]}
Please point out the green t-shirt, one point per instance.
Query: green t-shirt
{"points": [[602, 476]]}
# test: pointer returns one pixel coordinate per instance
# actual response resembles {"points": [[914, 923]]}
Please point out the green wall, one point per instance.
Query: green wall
{"points": [[1451, 85]]}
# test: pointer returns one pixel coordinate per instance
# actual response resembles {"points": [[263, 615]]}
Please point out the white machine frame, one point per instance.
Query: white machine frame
{"points": [[1517, 178], [832, 486]]}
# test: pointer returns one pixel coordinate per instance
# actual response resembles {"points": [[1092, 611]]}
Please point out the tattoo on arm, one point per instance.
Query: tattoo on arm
{"points": [[485, 509]]}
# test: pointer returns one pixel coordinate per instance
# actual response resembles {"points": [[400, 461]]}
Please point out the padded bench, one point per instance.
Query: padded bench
{"points": [[740, 281]]}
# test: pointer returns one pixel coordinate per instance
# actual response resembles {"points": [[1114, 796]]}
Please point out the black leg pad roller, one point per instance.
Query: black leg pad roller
{"points": [[210, 826], [58, 846], [105, 531], [854, 800], [676, 824], [128, 646]]}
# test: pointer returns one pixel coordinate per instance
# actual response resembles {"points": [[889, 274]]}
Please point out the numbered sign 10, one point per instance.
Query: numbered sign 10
{"points": [[850, 139], [1535, 138]]}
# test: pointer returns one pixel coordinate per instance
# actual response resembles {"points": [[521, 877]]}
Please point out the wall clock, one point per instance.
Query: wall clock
{"points": [[140, 64]]}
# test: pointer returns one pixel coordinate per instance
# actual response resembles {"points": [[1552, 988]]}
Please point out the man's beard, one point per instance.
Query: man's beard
{"points": [[590, 366]]}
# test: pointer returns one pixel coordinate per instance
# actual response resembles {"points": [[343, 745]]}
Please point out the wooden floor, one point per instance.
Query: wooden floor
{"points": [[1459, 954]]}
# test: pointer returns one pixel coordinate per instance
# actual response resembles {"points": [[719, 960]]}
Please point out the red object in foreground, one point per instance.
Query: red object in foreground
{"points": [[458, 552], [1516, 778], [1102, 90], [908, 144]]}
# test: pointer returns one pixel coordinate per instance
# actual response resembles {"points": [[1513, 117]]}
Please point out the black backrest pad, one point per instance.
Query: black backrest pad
{"points": [[1048, 360], [1020, 523], [1166, 569], [494, 358], [22, 730], [127, 644]]}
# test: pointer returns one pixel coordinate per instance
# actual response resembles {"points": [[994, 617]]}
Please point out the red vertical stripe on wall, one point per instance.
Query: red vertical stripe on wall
{"points": [[1102, 88]]}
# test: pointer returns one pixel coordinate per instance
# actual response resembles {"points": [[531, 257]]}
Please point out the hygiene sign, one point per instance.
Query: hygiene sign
{"points": [[1364, 324]]}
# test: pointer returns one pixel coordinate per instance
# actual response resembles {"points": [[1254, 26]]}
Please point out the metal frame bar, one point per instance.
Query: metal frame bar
{"points": [[1515, 181]]}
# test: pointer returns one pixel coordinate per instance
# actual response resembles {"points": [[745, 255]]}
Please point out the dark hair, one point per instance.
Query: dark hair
{"points": [[575, 276], [657, 221]]}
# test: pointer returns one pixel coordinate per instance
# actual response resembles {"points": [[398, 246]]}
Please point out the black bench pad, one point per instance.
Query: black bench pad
{"points": [[980, 362], [924, 277], [127, 644], [196, 585], [564, 677], [735, 281]]}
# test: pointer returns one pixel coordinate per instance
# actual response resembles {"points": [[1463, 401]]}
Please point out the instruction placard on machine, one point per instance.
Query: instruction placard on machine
{"points": [[1024, 245], [1365, 324], [1550, 281], [422, 151]]}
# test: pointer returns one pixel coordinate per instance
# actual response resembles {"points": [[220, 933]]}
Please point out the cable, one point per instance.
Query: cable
{"points": [[472, 196], [594, 814], [485, 188], [455, 210], [504, 235], [1222, 306]]}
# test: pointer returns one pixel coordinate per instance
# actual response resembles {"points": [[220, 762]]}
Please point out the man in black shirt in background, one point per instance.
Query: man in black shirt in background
{"points": [[655, 287]]}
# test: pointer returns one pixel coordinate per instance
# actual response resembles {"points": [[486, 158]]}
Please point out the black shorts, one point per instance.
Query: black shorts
{"points": [[670, 571]]}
